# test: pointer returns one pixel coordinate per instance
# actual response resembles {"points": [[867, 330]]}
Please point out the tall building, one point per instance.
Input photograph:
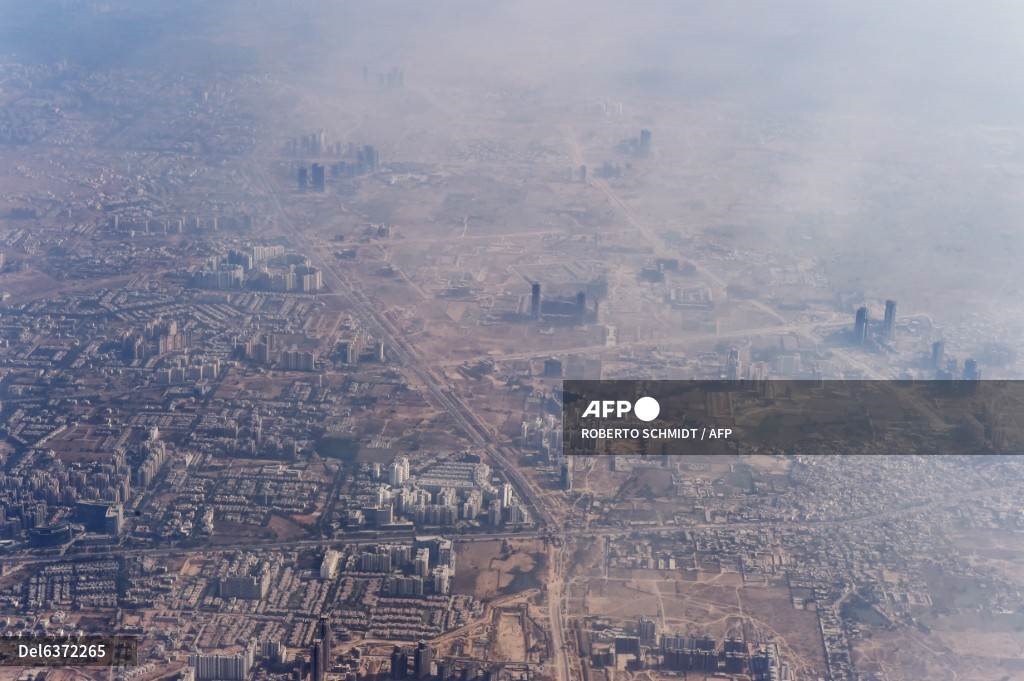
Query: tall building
{"points": [[264, 253], [100, 516], [405, 586], [242, 258], [302, 176], [889, 325], [316, 661], [399, 472], [323, 632], [971, 370], [516, 514], [329, 565], [368, 158], [734, 366], [348, 350], [421, 563], [223, 667], [319, 180], [308, 279], [445, 552], [938, 352], [399, 663], [251, 583], [494, 513], [535, 300], [273, 650], [647, 631], [860, 326], [423, 661], [735, 653], [442, 579]]}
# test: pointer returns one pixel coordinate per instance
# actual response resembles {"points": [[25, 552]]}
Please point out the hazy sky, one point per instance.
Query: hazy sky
{"points": [[934, 58], [907, 112]]}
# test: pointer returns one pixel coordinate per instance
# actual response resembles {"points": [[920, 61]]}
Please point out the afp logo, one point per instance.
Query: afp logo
{"points": [[645, 409]]}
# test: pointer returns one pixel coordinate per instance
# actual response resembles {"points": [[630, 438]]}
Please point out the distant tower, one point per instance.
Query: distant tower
{"points": [[971, 370], [581, 305], [734, 367], [567, 475], [316, 661], [423, 661], [371, 159], [889, 325], [319, 183], [535, 300], [938, 352], [647, 631], [645, 141], [399, 472], [303, 178], [399, 663], [860, 326], [323, 632]]}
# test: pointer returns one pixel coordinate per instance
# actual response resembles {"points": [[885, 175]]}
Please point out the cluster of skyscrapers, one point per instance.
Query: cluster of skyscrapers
{"points": [[573, 310], [680, 653], [422, 662], [861, 324], [361, 160], [320, 653], [220, 667], [279, 273]]}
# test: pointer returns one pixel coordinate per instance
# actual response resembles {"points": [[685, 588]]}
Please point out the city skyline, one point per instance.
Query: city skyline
{"points": [[292, 296]]}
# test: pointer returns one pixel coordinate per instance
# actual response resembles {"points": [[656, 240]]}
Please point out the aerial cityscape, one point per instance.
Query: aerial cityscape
{"points": [[289, 296]]}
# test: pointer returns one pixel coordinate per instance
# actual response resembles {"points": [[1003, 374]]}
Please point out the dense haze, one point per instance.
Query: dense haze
{"points": [[871, 87], [313, 316], [903, 156], [943, 61]]}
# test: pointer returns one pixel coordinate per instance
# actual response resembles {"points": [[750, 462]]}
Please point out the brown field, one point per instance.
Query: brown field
{"points": [[999, 550], [227, 533], [713, 604], [286, 528], [235, 386], [909, 654], [625, 599], [771, 614], [587, 558], [485, 570], [509, 639], [80, 444]]}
